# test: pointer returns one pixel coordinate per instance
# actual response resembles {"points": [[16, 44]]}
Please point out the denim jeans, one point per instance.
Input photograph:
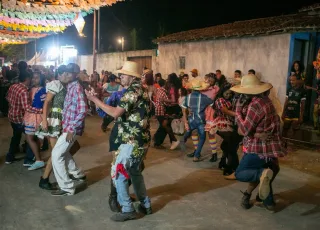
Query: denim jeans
{"points": [[197, 124], [122, 186], [18, 129], [250, 170]]}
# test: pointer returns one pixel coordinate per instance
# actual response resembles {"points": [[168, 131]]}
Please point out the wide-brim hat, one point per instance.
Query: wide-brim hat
{"points": [[197, 84], [130, 68], [250, 84]]}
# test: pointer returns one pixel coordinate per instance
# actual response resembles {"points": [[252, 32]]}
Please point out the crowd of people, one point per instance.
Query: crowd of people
{"points": [[236, 109]]}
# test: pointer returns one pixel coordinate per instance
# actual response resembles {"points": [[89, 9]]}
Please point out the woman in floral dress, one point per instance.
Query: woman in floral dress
{"points": [[51, 126]]}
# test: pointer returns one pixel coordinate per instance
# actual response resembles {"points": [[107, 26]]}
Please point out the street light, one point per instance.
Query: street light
{"points": [[121, 41]]}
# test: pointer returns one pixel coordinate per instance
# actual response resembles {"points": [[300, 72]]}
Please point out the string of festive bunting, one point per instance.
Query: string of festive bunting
{"points": [[67, 22], [33, 16], [64, 6], [23, 27]]}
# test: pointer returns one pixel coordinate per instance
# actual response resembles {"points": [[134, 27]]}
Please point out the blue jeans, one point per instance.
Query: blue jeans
{"points": [[139, 187], [250, 170], [197, 124], [18, 129]]}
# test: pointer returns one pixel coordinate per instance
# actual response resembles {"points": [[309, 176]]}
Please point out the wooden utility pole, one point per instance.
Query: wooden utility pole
{"points": [[99, 38], [94, 40]]}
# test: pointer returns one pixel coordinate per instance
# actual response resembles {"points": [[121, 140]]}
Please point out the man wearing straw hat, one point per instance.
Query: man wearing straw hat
{"points": [[197, 103], [262, 142], [133, 120]]}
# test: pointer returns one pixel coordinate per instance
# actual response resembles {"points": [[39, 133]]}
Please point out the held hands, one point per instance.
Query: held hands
{"points": [[186, 126], [45, 125], [70, 137]]}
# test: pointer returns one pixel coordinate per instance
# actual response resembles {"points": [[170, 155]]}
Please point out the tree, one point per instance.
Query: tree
{"points": [[12, 53]]}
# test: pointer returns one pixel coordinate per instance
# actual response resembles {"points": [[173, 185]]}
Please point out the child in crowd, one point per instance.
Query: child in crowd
{"points": [[211, 92], [33, 120]]}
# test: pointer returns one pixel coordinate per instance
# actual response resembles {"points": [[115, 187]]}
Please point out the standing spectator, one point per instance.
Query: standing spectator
{"points": [[293, 109], [194, 73]]}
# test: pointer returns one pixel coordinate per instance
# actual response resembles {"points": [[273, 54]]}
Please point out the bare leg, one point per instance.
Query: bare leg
{"points": [[48, 168], [34, 146]]}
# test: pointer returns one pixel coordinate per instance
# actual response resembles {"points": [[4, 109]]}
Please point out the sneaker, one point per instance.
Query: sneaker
{"points": [[45, 184], [28, 163], [245, 201], [214, 158], [10, 160], [144, 210], [36, 165], [174, 145], [113, 204], [264, 186], [121, 217], [81, 178], [190, 155], [61, 193]]}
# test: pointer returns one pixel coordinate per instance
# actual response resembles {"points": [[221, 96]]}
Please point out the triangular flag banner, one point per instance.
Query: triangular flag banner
{"points": [[79, 24]]}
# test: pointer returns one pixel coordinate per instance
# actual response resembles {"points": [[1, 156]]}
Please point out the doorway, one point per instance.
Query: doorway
{"points": [[144, 61]]}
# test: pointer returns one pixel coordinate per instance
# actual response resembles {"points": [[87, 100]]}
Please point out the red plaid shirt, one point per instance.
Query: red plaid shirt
{"points": [[75, 109], [160, 108], [19, 102], [261, 118]]}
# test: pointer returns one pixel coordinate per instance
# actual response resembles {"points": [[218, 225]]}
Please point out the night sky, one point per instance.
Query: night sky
{"points": [[152, 18]]}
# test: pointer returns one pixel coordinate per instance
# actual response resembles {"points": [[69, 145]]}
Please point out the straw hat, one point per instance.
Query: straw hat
{"points": [[197, 84], [250, 84], [130, 68]]}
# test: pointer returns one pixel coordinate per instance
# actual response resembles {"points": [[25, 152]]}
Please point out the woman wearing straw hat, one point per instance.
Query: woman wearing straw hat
{"points": [[134, 137], [262, 141]]}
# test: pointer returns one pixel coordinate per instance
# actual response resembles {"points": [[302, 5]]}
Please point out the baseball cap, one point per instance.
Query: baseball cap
{"points": [[72, 68], [61, 69]]}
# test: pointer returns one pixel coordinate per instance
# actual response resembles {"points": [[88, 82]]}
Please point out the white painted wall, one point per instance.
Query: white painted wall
{"points": [[267, 55], [112, 61]]}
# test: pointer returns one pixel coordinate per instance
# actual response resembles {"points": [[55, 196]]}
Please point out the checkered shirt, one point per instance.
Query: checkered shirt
{"points": [[19, 101], [261, 118], [160, 108], [75, 109]]}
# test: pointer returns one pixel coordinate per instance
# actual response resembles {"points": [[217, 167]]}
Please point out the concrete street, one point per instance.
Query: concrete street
{"points": [[185, 195]]}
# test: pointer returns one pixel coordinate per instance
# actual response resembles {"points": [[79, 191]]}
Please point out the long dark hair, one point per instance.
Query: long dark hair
{"points": [[301, 66], [222, 82], [223, 90], [174, 81]]}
